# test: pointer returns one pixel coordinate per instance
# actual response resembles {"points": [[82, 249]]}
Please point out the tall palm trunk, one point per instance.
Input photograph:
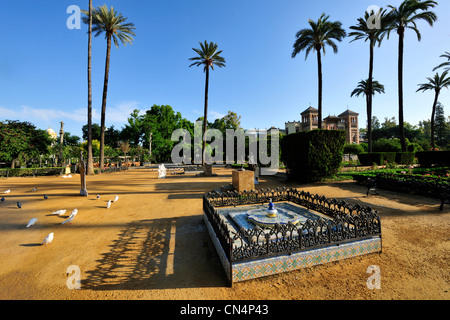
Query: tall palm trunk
{"points": [[369, 100], [433, 115], [401, 33], [90, 158], [319, 64], [205, 117], [105, 94]]}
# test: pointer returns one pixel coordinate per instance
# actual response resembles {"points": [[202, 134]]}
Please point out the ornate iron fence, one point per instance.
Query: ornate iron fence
{"points": [[347, 223]]}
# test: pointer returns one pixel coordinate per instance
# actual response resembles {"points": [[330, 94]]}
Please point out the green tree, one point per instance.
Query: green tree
{"points": [[400, 19], [133, 130], [436, 84], [229, 121], [22, 138], [374, 36], [389, 123], [315, 38], [95, 147], [116, 30], [441, 125], [208, 56], [161, 121], [95, 131]]}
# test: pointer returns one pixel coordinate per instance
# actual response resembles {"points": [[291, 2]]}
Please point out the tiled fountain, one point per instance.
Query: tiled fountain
{"points": [[269, 231]]}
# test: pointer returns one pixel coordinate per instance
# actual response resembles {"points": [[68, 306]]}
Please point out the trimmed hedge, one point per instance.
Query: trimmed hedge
{"points": [[312, 156], [405, 157], [368, 159], [430, 158]]}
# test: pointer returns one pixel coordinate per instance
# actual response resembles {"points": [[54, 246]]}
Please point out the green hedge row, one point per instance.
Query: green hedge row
{"points": [[312, 156], [429, 158], [368, 159]]}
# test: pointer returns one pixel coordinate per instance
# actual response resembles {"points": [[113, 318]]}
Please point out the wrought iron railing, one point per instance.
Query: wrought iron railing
{"points": [[346, 223]]}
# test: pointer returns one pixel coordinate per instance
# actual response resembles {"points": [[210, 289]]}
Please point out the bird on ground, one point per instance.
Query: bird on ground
{"points": [[34, 189], [48, 239], [45, 197], [108, 205], [116, 198], [31, 222], [98, 197], [59, 212], [7, 191], [19, 205], [3, 199], [69, 220], [71, 217], [74, 213]]}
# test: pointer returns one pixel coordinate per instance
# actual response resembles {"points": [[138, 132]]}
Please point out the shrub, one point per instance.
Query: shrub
{"points": [[312, 156], [353, 149], [405, 157], [429, 158], [368, 159], [387, 145]]}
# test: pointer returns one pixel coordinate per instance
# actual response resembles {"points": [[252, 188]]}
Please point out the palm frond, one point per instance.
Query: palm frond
{"points": [[208, 56], [112, 24], [321, 33]]}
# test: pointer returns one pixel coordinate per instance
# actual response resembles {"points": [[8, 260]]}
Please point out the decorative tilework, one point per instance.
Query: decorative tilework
{"points": [[270, 266], [223, 258], [242, 271]]}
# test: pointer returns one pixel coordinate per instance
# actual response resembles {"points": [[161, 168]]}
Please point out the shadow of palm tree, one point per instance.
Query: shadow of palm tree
{"points": [[158, 254]]}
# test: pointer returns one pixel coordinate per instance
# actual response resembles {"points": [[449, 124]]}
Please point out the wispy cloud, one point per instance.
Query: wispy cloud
{"points": [[27, 113], [117, 114]]}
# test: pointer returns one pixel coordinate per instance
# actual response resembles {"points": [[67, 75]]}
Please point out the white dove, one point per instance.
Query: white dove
{"points": [[69, 221], [48, 239], [108, 205], [32, 222], [74, 213], [59, 212], [7, 191], [71, 217], [116, 198]]}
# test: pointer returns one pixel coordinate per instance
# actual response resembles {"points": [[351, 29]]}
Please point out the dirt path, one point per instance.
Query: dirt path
{"points": [[152, 243]]}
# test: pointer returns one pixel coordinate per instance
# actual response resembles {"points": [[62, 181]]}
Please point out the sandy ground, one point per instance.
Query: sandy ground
{"points": [[152, 244]]}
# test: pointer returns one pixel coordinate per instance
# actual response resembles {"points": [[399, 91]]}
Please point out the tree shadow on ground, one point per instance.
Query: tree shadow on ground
{"points": [[158, 254]]}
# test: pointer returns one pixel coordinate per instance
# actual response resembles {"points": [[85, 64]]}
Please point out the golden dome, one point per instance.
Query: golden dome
{"points": [[52, 133]]}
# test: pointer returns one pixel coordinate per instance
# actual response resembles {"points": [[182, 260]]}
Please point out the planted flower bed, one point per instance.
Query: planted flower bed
{"points": [[424, 182]]}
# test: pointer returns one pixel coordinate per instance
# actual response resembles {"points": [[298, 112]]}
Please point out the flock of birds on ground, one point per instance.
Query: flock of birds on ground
{"points": [[48, 240]]}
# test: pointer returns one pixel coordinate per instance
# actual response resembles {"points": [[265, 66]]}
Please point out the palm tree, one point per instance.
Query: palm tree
{"points": [[116, 29], [364, 88], [320, 34], [445, 65], [405, 17], [437, 83], [208, 56], [374, 36], [90, 158]]}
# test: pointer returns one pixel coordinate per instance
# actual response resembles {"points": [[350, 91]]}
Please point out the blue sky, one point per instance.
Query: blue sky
{"points": [[43, 64]]}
